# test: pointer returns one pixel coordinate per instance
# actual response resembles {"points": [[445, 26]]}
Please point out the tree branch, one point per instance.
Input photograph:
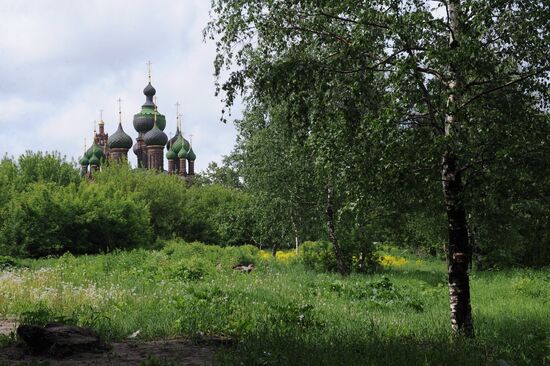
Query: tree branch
{"points": [[336, 17], [502, 86], [342, 39], [427, 70]]}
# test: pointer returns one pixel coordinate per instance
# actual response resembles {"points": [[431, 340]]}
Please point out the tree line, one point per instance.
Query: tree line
{"points": [[47, 209]]}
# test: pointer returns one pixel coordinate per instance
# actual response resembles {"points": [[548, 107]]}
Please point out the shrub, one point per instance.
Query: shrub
{"points": [[191, 269], [46, 167], [210, 214], [7, 261], [318, 255], [246, 254], [47, 219]]}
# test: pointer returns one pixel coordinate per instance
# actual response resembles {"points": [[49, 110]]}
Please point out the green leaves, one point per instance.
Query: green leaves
{"points": [[359, 92]]}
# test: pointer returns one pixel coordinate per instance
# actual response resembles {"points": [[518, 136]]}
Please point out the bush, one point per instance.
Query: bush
{"points": [[47, 219], [318, 255], [191, 269], [216, 215], [46, 167], [246, 255], [210, 214], [7, 261]]}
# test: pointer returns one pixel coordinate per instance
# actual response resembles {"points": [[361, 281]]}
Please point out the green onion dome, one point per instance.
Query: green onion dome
{"points": [[181, 144], [144, 120], [119, 139], [191, 155], [173, 140], [95, 150], [88, 154], [155, 137], [84, 160], [94, 160], [183, 154], [171, 155], [186, 145]]}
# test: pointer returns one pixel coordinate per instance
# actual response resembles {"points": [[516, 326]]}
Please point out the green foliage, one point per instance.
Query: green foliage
{"points": [[164, 195], [283, 314], [42, 315], [358, 97], [537, 287], [216, 215], [318, 256], [46, 167], [379, 293], [212, 214], [48, 219], [7, 261], [246, 255], [191, 269], [46, 209], [226, 175]]}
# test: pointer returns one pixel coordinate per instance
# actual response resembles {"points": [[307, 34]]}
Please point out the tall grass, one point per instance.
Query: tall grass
{"points": [[282, 313]]}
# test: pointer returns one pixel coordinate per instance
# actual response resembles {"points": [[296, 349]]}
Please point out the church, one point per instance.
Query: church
{"points": [[149, 146]]}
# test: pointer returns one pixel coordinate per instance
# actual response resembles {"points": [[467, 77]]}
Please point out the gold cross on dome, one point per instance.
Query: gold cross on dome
{"points": [[149, 69], [177, 114], [119, 109]]}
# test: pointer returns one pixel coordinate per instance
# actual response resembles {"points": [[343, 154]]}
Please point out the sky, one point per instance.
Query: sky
{"points": [[62, 61]]}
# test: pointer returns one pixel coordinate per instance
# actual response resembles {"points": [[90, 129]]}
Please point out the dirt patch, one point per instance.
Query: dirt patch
{"points": [[131, 352], [171, 352]]}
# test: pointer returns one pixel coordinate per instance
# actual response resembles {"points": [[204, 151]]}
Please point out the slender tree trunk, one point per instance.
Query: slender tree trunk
{"points": [[340, 260], [476, 252], [459, 252], [295, 228], [274, 250], [453, 191]]}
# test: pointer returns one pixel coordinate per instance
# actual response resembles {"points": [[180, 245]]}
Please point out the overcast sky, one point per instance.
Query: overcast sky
{"points": [[61, 61]]}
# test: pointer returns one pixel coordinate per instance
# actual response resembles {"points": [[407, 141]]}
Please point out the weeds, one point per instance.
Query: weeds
{"points": [[282, 312]]}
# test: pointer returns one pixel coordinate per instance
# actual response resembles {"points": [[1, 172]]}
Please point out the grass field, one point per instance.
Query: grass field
{"points": [[282, 313]]}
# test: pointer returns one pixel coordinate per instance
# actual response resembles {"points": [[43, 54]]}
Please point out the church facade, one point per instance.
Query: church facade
{"points": [[149, 145]]}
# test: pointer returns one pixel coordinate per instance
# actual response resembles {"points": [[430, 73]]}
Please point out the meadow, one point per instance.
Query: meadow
{"points": [[284, 312]]}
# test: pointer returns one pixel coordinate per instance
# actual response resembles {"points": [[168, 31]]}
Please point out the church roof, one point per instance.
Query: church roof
{"points": [[155, 137], [145, 119], [171, 155], [180, 143], [119, 139], [191, 155], [84, 160], [94, 160]]}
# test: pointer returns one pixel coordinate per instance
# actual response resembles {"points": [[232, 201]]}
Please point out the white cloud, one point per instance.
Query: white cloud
{"points": [[70, 58], [17, 108]]}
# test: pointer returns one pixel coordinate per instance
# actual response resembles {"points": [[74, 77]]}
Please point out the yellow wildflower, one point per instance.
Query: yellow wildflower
{"points": [[285, 256], [389, 260], [264, 255]]}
